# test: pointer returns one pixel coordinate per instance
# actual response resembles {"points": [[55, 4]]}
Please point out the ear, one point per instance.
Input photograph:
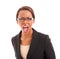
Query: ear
{"points": [[17, 21], [33, 20]]}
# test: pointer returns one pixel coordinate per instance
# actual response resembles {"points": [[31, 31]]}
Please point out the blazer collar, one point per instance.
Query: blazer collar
{"points": [[33, 45]]}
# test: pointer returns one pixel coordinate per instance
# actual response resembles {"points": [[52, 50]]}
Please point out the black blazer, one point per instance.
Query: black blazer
{"points": [[40, 48]]}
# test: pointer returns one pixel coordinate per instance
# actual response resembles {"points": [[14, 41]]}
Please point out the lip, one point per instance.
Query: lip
{"points": [[25, 28]]}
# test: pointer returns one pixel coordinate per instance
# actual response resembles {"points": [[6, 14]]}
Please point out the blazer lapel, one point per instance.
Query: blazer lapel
{"points": [[18, 45], [34, 44]]}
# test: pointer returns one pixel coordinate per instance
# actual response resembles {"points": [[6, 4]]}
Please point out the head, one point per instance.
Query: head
{"points": [[25, 18]]}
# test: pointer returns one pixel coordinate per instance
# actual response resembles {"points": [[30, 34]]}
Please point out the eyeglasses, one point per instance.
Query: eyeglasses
{"points": [[22, 19]]}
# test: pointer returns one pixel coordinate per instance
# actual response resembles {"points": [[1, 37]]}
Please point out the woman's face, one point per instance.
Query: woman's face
{"points": [[25, 20]]}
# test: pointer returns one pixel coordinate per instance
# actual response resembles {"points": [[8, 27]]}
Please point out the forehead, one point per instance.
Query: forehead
{"points": [[25, 13]]}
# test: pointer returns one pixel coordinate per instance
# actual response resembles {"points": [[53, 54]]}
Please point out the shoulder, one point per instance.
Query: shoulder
{"points": [[15, 36], [44, 38], [14, 39], [41, 35]]}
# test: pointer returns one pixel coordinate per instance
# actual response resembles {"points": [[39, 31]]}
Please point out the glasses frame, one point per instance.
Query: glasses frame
{"points": [[22, 19]]}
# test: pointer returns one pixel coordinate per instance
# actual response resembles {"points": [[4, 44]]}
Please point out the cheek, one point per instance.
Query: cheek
{"points": [[31, 23], [19, 23]]}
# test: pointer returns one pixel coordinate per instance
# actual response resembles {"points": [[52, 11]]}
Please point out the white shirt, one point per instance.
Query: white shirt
{"points": [[24, 50]]}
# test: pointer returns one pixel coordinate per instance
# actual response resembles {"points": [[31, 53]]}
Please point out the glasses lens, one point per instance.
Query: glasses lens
{"points": [[21, 19], [29, 18]]}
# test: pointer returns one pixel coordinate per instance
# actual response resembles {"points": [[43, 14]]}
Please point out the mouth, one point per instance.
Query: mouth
{"points": [[25, 28]]}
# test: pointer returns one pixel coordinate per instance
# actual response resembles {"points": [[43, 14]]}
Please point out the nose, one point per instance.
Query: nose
{"points": [[25, 21]]}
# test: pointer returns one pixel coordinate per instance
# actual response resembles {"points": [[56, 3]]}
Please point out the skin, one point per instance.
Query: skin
{"points": [[26, 36]]}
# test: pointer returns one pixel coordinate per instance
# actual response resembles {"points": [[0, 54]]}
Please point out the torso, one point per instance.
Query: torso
{"points": [[25, 41], [24, 50]]}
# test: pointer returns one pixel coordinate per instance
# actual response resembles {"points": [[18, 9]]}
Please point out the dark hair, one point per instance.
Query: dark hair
{"points": [[25, 8]]}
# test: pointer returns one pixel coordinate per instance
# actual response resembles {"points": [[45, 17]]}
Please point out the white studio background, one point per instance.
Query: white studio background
{"points": [[47, 21]]}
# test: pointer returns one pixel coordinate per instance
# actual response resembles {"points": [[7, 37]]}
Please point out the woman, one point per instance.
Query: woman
{"points": [[30, 44]]}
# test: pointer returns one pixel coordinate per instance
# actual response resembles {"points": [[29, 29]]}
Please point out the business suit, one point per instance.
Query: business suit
{"points": [[40, 48]]}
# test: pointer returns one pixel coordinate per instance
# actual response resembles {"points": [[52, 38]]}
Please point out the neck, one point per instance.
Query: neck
{"points": [[26, 37], [28, 34]]}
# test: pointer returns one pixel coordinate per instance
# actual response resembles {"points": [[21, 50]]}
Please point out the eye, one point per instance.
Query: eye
{"points": [[29, 18], [21, 18]]}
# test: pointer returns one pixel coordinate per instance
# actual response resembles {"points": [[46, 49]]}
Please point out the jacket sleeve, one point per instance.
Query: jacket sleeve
{"points": [[49, 51], [12, 40], [13, 44]]}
